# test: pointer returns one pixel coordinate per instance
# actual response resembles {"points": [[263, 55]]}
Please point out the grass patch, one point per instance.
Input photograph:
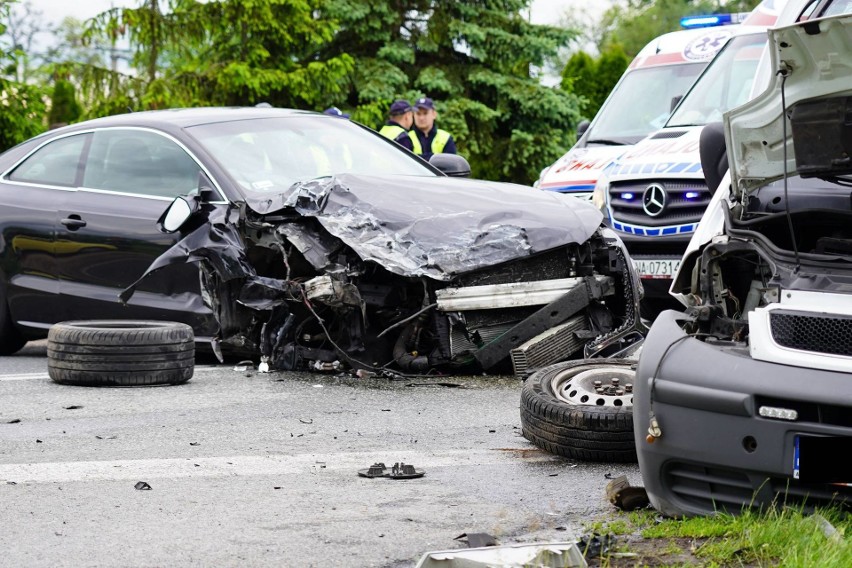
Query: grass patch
{"points": [[784, 537]]}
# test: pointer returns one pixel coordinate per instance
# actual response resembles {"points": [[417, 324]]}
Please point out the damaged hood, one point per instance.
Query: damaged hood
{"points": [[436, 227], [816, 57]]}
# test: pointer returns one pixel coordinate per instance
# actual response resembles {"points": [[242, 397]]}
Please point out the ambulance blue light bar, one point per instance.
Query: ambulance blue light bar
{"points": [[711, 20]]}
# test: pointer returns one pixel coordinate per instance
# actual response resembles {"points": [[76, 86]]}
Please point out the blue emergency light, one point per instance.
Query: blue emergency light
{"points": [[710, 20]]}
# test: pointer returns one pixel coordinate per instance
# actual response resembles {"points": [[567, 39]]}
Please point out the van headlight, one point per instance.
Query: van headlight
{"points": [[600, 193]]}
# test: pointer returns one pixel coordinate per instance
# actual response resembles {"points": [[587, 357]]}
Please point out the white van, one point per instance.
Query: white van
{"points": [[643, 98], [654, 194], [743, 400]]}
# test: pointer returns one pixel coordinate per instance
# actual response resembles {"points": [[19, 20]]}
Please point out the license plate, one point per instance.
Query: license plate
{"points": [[815, 459], [657, 268]]}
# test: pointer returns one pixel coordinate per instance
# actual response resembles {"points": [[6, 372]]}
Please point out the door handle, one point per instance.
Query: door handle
{"points": [[73, 222]]}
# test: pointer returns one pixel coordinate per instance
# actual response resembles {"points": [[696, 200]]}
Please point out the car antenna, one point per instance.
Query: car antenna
{"points": [[785, 70]]}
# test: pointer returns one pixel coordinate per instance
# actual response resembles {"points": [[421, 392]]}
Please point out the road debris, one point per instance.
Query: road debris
{"points": [[478, 540], [620, 493], [539, 555], [142, 486], [399, 470]]}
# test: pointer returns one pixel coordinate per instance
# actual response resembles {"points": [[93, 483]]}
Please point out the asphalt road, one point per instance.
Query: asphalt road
{"points": [[250, 469]]}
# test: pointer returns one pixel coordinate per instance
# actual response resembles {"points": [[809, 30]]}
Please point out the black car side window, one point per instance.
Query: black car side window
{"points": [[55, 163], [139, 161]]}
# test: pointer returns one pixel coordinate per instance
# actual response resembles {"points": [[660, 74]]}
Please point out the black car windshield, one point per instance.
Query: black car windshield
{"points": [[271, 154], [641, 102], [725, 84]]}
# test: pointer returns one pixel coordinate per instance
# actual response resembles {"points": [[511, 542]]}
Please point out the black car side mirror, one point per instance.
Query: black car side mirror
{"points": [[451, 164], [177, 214], [713, 154], [582, 127]]}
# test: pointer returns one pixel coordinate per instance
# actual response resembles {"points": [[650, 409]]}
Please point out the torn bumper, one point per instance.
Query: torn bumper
{"points": [[723, 445]]}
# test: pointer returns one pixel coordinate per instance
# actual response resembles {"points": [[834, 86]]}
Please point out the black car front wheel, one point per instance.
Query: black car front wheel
{"points": [[120, 353], [581, 410]]}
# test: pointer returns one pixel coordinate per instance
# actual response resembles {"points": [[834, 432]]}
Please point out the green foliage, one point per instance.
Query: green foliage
{"points": [[633, 23], [592, 79], [226, 52], [21, 105], [783, 536], [64, 108], [474, 59], [22, 112], [477, 59], [611, 64]]}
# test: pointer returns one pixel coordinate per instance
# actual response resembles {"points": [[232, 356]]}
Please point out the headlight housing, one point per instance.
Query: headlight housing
{"points": [[600, 193]]}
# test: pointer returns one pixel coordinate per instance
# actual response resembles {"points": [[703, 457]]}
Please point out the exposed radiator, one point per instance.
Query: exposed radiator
{"points": [[551, 346]]}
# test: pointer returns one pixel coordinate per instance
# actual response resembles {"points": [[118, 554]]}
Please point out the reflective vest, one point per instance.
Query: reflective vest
{"points": [[438, 142], [393, 131]]}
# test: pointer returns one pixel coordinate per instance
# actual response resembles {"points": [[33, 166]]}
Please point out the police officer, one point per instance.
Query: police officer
{"points": [[430, 138], [400, 119]]}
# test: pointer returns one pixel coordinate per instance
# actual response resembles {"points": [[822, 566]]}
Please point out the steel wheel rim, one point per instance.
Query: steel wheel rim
{"points": [[579, 388]]}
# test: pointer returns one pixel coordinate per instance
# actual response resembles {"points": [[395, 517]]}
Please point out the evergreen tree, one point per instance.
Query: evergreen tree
{"points": [[476, 59], [64, 108]]}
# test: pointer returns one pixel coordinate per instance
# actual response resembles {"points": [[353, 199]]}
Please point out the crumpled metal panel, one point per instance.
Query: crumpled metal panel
{"points": [[216, 239], [437, 227]]}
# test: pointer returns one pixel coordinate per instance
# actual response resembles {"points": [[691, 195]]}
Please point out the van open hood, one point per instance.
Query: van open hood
{"points": [[815, 63]]}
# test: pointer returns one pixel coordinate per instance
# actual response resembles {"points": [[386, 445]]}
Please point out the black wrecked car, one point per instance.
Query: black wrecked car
{"points": [[305, 240]]}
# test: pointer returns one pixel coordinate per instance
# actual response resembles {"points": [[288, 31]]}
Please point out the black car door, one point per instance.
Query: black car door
{"points": [[108, 225], [31, 195]]}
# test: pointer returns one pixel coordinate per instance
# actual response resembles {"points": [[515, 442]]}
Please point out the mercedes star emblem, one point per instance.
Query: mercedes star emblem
{"points": [[654, 199]]}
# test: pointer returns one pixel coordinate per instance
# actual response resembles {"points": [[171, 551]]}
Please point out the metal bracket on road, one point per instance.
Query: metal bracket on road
{"points": [[398, 471]]}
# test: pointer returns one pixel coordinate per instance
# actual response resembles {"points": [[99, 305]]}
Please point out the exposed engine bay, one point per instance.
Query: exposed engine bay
{"points": [[334, 275]]}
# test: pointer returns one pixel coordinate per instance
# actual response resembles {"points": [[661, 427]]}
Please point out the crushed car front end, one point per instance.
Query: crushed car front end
{"points": [[413, 275]]}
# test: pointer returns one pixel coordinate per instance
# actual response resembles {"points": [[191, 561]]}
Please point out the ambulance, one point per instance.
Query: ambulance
{"points": [[654, 193], [644, 96]]}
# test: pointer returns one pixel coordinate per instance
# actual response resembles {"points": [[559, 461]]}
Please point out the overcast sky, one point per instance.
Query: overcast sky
{"points": [[543, 11]]}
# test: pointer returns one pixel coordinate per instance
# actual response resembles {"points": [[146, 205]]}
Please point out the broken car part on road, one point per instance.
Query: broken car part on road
{"points": [[582, 409], [120, 353]]}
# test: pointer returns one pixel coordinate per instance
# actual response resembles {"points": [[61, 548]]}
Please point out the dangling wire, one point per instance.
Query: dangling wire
{"points": [[654, 430]]}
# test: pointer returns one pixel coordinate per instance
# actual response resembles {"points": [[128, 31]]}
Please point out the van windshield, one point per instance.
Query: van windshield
{"points": [[641, 102], [725, 84]]}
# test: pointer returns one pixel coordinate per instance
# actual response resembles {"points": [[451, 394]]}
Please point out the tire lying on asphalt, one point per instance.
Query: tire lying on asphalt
{"points": [[120, 353], [563, 412]]}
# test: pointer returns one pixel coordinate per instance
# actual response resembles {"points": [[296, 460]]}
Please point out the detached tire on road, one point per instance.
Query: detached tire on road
{"points": [[562, 413], [120, 353]]}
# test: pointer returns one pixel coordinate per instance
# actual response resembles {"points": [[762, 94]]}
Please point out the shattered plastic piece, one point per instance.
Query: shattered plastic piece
{"points": [[478, 540], [595, 545], [398, 471], [141, 485], [244, 366], [375, 470], [405, 471], [14, 421], [627, 498], [827, 528], [72, 407], [539, 555]]}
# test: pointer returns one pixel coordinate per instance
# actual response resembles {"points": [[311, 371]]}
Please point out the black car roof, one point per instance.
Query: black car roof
{"points": [[184, 117]]}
